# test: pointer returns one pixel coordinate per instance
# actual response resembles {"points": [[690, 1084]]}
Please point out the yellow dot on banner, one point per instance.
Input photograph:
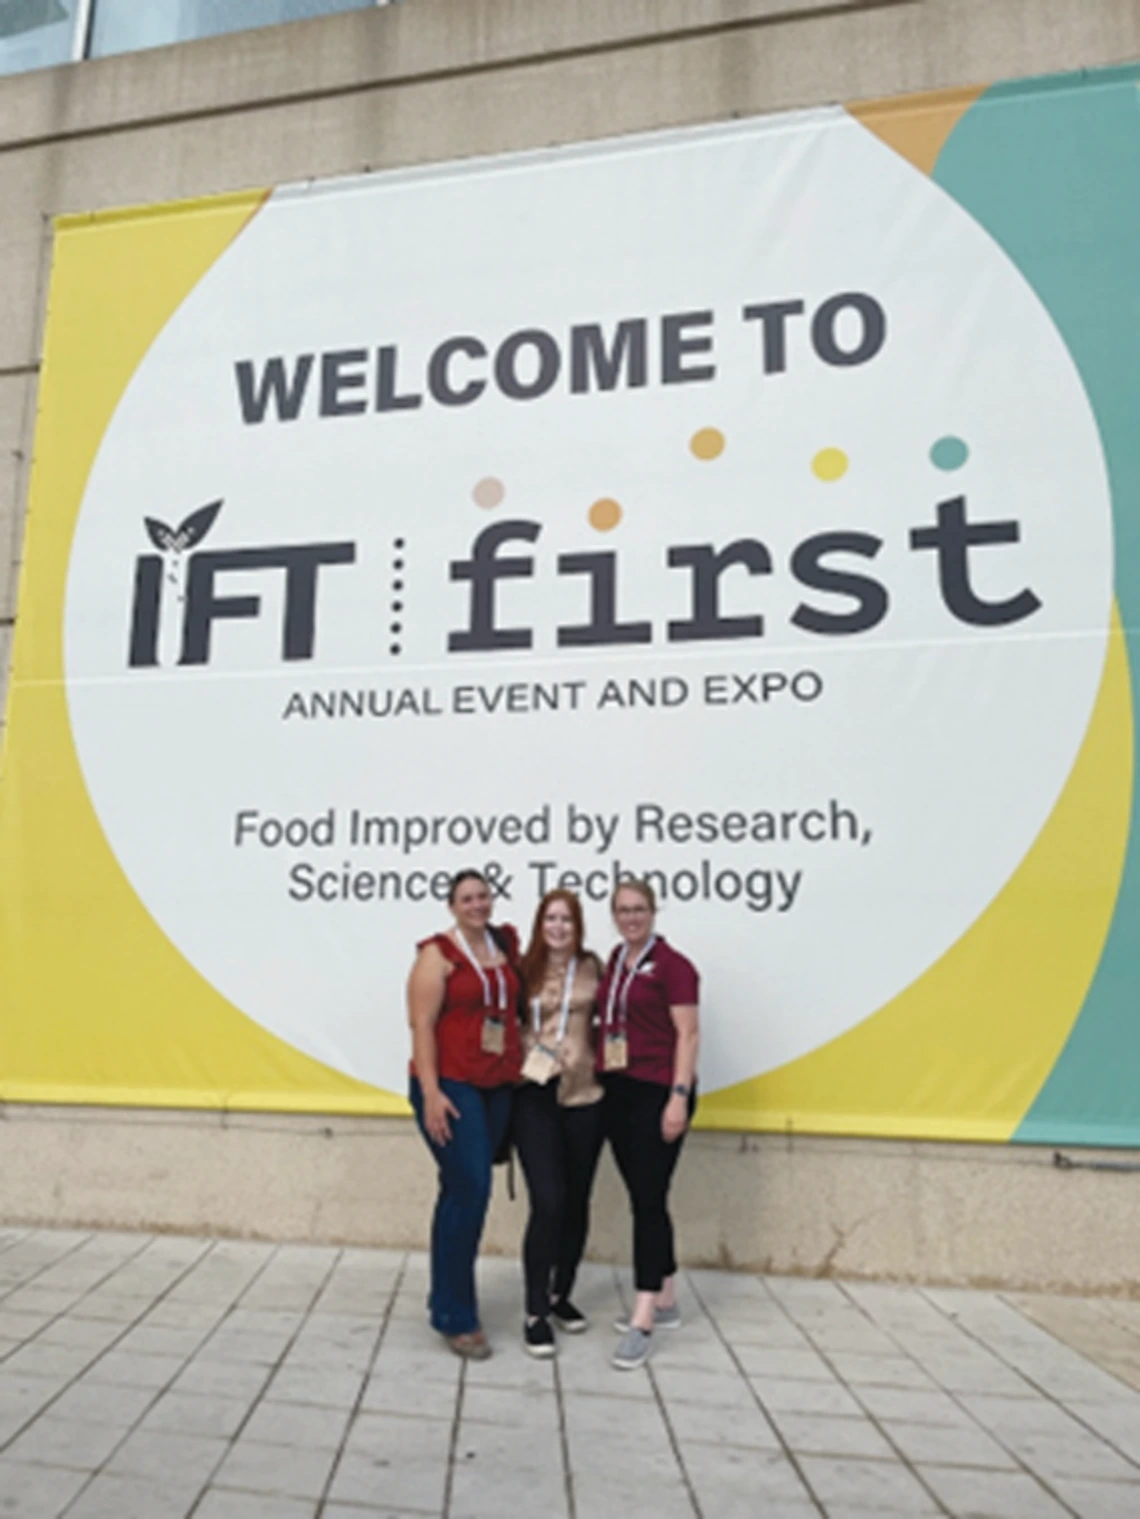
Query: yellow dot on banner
{"points": [[708, 443], [829, 464], [604, 515], [489, 492]]}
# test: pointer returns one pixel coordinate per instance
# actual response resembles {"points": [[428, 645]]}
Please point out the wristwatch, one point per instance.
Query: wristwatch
{"points": [[680, 1089]]}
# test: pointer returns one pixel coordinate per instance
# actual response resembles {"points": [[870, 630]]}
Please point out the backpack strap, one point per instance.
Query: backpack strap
{"points": [[507, 940]]}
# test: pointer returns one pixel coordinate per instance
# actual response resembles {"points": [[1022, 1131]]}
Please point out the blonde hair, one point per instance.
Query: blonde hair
{"points": [[642, 888]]}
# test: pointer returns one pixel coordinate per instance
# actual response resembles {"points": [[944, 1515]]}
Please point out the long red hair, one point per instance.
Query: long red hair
{"points": [[534, 961]]}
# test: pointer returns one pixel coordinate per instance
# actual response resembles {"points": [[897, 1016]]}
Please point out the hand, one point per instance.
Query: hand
{"points": [[438, 1108], [675, 1118]]}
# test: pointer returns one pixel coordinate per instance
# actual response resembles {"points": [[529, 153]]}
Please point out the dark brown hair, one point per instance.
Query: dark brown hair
{"points": [[458, 879]]}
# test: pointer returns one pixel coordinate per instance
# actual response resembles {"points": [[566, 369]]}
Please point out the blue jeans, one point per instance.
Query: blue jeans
{"points": [[464, 1193]]}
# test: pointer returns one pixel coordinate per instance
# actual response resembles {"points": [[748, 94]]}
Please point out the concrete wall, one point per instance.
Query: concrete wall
{"points": [[434, 79], [913, 1212]]}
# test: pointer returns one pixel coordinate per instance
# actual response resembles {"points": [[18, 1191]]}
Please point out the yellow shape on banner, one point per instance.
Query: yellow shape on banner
{"points": [[993, 1014], [829, 464], [99, 1006], [604, 515], [707, 444], [916, 126]]}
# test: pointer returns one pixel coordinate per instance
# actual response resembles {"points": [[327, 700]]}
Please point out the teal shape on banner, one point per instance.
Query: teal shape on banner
{"points": [[949, 453], [1051, 168]]}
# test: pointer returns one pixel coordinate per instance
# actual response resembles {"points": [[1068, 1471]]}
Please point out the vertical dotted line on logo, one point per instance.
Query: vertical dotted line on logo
{"points": [[396, 627]]}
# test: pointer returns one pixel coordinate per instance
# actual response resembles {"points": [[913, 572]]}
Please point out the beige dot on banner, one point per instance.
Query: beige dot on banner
{"points": [[489, 492], [708, 443], [829, 464], [604, 515]]}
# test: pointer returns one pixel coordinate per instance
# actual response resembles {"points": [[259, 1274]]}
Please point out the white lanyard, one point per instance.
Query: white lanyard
{"points": [[623, 1001], [481, 973], [564, 1016]]}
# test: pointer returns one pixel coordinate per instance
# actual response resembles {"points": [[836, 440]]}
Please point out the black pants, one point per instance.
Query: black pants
{"points": [[559, 1149], [633, 1124]]}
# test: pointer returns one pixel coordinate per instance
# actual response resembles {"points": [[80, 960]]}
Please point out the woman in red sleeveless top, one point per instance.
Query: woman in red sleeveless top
{"points": [[463, 1010]]}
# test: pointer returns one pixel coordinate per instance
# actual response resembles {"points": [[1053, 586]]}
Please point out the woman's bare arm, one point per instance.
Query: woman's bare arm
{"points": [[427, 985], [686, 1021]]}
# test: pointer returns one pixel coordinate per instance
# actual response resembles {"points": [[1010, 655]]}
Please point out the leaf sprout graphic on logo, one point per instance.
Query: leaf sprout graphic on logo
{"points": [[172, 543], [189, 532], [175, 541]]}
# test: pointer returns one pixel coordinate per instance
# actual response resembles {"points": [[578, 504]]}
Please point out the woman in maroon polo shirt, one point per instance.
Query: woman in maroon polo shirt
{"points": [[647, 1053], [463, 1010]]}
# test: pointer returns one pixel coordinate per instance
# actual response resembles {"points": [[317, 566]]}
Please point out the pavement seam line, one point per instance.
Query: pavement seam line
{"points": [[354, 1411], [55, 1261], [166, 1387], [210, 1247], [660, 1401], [63, 1312], [453, 1442], [852, 1389], [1040, 1391], [1100, 1307], [1105, 1307], [564, 1440], [789, 1453], [272, 1370], [70, 1383], [673, 1442], [956, 1398]]}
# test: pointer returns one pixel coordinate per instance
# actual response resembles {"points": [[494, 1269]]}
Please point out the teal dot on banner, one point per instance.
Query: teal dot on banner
{"points": [[949, 453]]}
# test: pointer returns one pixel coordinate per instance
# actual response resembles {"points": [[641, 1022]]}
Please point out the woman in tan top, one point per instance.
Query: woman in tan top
{"points": [[557, 1122]]}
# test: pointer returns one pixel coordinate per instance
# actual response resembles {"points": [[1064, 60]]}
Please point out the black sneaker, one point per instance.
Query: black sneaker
{"points": [[538, 1338], [567, 1317]]}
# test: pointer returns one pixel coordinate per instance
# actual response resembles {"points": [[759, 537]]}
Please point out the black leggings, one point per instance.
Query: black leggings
{"points": [[633, 1124], [559, 1149]]}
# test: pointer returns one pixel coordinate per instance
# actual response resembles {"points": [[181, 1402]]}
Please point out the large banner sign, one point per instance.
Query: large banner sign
{"points": [[752, 508]]}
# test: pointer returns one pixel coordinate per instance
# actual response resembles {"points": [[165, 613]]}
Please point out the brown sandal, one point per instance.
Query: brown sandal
{"points": [[472, 1346]]}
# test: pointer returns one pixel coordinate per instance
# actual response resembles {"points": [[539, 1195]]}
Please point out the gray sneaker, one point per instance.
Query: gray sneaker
{"points": [[632, 1349], [663, 1318]]}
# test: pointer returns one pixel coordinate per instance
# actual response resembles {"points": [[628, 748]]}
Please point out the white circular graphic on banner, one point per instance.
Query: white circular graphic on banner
{"points": [[722, 507]]}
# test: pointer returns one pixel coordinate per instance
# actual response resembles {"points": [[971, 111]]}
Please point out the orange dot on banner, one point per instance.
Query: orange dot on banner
{"points": [[708, 443], [489, 492], [829, 464], [604, 515]]}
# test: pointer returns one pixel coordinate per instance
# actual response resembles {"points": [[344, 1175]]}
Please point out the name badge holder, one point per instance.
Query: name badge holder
{"points": [[494, 1035], [615, 1044], [543, 1062]]}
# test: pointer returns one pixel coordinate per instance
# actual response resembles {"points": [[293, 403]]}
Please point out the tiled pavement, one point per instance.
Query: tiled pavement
{"points": [[153, 1377]]}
